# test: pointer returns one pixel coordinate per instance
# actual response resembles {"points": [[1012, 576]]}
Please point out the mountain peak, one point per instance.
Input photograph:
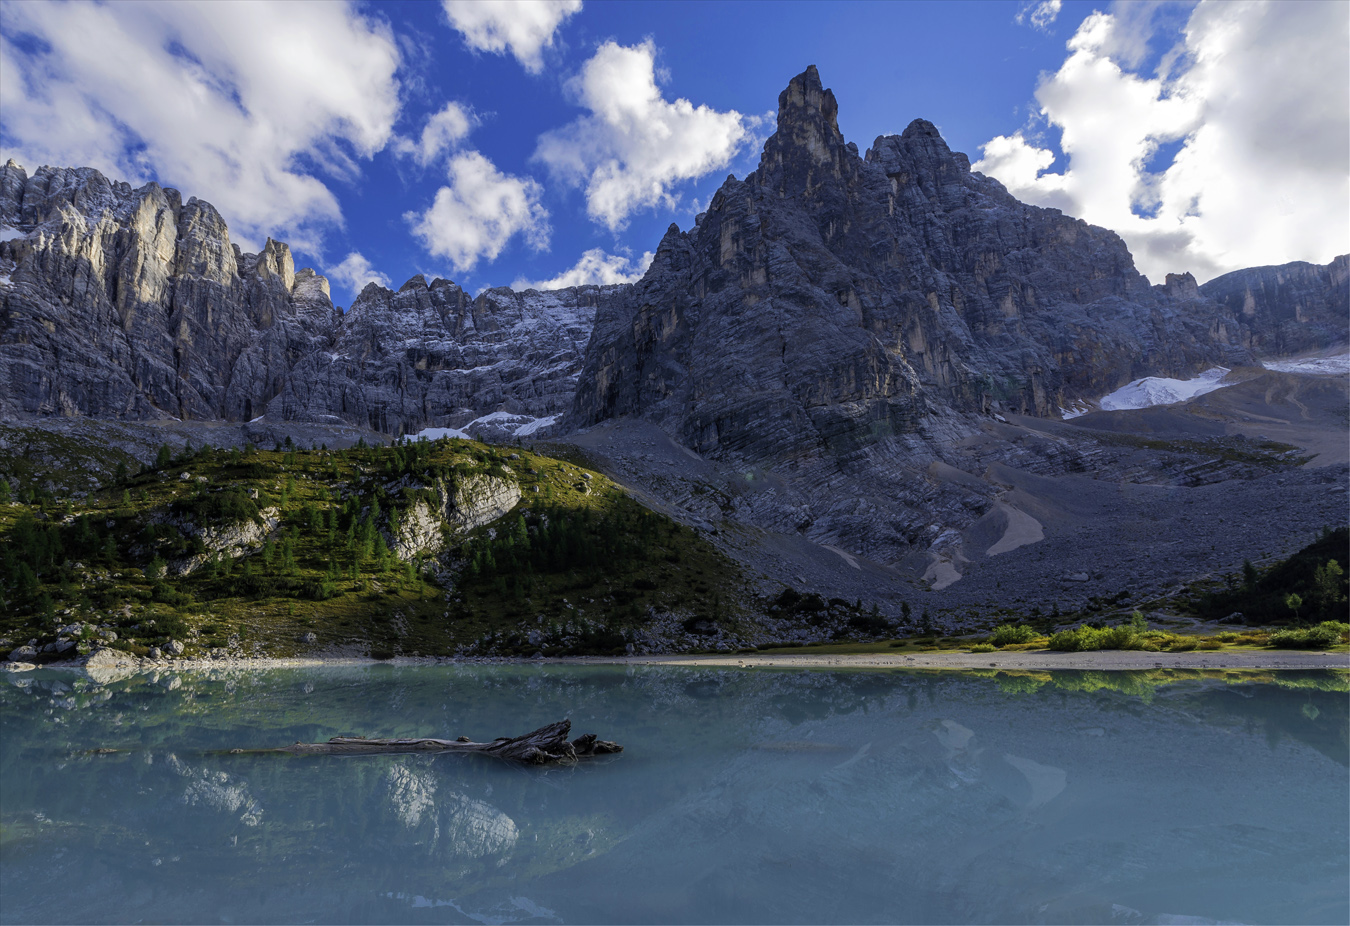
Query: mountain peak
{"points": [[807, 121], [807, 101]]}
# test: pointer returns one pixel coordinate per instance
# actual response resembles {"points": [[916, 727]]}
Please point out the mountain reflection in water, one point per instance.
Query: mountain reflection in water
{"points": [[742, 796]]}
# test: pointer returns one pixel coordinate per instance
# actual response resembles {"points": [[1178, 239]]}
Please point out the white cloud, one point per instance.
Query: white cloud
{"points": [[1040, 15], [635, 145], [523, 27], [1256, 95], [442, 134], [238, 103], [479, 212], [595, 266], [355, 272]]}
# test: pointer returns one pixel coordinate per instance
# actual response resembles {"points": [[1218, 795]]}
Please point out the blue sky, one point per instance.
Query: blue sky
{"points": [[500, 143]]}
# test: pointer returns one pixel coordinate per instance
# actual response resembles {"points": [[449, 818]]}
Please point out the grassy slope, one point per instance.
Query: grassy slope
{"points": [[593, 565]]}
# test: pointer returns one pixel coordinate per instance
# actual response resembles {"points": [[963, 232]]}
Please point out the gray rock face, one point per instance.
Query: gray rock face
{"points": [[123, 303], [431, 356], [1289, 308], [843, 297], [131, 304]]}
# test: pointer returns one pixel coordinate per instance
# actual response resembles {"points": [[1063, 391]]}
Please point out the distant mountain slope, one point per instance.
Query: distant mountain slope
{"points": [[1290, 307]]}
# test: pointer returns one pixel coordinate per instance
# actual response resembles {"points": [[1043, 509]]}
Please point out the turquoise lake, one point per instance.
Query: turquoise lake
{"points": [[743, 796]]}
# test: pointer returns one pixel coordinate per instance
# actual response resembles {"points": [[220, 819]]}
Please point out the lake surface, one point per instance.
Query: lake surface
{"points": [[743, 796]]}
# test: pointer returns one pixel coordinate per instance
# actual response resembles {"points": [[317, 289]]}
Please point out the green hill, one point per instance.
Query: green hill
{"points": [[431, 548]]}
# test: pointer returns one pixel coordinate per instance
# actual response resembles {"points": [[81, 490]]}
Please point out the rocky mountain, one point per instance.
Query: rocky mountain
{"points": [[1288, 308], [429, 355], [123, 303], [867, 353], [843, 296], [841, 299]]}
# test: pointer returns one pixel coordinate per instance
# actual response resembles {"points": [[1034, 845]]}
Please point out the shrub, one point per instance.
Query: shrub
{"points": [[1085, 638], [1323, 636], [1074, 641], [982, 648], [1005, 634]]}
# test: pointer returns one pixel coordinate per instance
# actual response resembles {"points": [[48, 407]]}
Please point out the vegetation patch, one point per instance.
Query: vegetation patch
{"points": [[254, 551], [1309, 587]]}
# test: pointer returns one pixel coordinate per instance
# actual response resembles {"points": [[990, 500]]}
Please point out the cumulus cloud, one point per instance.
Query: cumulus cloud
{"points": [[595, 266], [479, 212], [1255, 100], [241, 104], [442, 134], [522, 27], [354, 272], [1040, 15], [635, 145]]}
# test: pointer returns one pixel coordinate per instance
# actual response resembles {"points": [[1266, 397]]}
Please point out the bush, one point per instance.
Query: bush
{"points": [[1006, 634], [1085, 638], [1074, 641], [1323, 636], [982, 648]]}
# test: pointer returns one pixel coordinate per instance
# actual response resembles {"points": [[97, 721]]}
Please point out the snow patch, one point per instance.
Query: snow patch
{"points": [[4, 279], [495, 417], [9, 234], [1158, 390], [526, 430], [438, 433], [1320, 366], [515, 425]]}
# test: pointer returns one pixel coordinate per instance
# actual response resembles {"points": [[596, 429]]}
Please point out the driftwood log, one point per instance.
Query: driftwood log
{"points": [[545, 746]]}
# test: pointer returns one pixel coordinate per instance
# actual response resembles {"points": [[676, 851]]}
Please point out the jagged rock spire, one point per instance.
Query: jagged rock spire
{"points": [[808, 134]]}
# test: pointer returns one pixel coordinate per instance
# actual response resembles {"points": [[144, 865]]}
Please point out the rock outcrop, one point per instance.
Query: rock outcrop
{"points": [[125, 303], [130, 303], [429, 355], [1288, 308], [470, 502]]}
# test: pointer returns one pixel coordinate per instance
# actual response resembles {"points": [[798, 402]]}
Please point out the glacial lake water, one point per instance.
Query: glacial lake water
{"points": [[743, 796]]}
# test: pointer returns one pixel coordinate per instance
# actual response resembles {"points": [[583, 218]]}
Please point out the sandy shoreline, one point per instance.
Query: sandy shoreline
{"points": [[1039, 660]]}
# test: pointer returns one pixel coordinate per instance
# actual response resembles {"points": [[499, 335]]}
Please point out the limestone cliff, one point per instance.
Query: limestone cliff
{"points": [[122, 303], [830, 302], [128, 303], [431, 355], [1289, 308]]}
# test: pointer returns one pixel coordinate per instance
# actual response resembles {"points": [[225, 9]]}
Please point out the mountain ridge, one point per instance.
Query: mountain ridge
{"points": [[851, 369]]}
